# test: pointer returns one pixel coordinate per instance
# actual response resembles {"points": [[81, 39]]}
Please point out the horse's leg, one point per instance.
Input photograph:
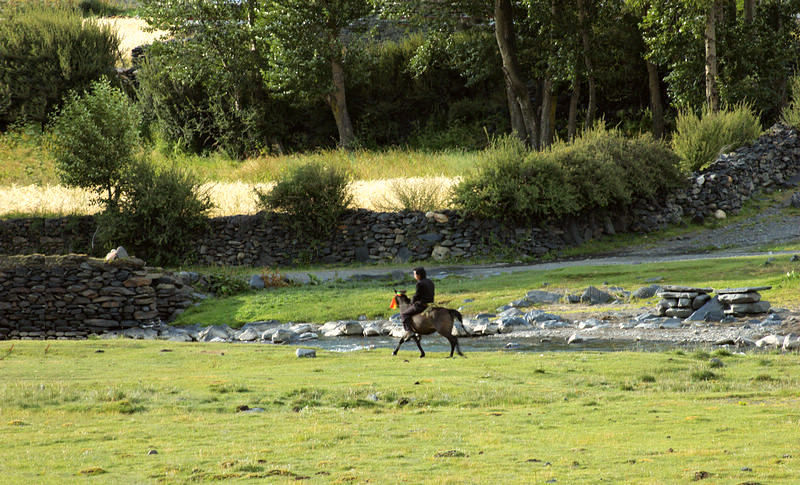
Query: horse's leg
{"points": [[453, 343], [417, 339], [403, 339]]}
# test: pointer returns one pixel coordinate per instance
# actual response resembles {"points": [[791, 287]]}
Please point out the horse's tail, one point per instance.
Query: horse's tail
{"points": [[456, 315]]}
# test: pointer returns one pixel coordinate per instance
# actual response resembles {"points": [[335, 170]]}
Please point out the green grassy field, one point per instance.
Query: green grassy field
{"points": [[92, 411], [348, 300]]}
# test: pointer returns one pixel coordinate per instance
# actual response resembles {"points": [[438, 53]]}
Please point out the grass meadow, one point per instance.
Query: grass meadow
{"points": [[121, 411]]}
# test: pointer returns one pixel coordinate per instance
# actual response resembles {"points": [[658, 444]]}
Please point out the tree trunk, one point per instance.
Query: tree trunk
{"points": [[517, 122], [338, 103], [587, 60], [572, 119], [546, 123], [712, 93], [749, 10], [504, 32], [656, 105], [547, 105]]}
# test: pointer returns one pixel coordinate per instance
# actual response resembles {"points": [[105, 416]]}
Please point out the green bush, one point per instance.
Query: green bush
{"points": [[94, 138], [790, 115], [699, 140], [599, 170], [314, 196], [204, 99], [44, 53], [516, 185], [160, 213], [609, 169]]}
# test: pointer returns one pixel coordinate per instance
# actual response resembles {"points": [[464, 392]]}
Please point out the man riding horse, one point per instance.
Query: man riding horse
{"points": [[423, 296]]}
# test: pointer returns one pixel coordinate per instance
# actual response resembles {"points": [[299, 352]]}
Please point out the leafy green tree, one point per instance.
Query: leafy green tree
{"points": [[205, 87], [717, 54], [95, 138], [310, 44], [45, 52]]}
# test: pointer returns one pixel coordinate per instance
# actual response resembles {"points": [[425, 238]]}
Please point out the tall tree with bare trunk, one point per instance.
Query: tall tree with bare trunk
{"points": [[515, 82], [308, 51]]}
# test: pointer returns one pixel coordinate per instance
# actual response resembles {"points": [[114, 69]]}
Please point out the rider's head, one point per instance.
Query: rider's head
{"points": [[419, 273]]}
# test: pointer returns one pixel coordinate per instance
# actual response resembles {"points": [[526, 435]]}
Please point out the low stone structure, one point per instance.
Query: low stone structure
{"points": [[681, 301], [743, 301], [75, 296]]}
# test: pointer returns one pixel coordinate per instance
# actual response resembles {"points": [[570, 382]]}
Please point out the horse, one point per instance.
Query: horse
{"points": [[433, 319]]}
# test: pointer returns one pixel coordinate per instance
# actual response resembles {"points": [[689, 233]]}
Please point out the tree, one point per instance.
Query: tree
{"points": [[205, 86], [742, 58], [95, 140], [309, 43], [44, 53], [712, 92], [515, 82]]}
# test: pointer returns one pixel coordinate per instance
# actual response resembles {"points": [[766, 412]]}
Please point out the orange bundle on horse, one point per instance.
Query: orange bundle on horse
{"points": [[433, 319]]}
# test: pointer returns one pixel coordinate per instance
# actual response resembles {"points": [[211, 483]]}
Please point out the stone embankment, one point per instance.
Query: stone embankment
{"points": [[77, 296], [366, 236]]}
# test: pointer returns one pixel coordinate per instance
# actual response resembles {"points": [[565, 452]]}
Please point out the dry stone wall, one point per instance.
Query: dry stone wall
{"points": [[365, 236], [75, 296]]}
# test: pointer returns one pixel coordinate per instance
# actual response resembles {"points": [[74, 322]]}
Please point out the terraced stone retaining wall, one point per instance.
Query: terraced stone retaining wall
{"points": [[367, 236], [74, 296]]}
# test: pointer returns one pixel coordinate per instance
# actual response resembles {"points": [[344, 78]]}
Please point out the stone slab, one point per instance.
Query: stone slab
{"points": [[689, 289], [748, 289]]}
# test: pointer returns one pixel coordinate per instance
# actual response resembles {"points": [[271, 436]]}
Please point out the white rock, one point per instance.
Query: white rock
{"points": [[308, 353], [282, 335], [301, 328], [575, 339], [440, 253], [372, 330], [770, 341], [248, 335]]}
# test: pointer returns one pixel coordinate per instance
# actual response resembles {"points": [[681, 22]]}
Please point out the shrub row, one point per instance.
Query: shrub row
{"points": [[599, 170]]}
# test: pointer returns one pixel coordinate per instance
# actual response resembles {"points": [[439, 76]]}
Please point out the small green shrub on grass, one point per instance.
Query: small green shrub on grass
{"points": [[513, 183], [790, 115], [158, 215], [703, 375], [224, 285], [699, 140], [95, 138], [313, 195]]}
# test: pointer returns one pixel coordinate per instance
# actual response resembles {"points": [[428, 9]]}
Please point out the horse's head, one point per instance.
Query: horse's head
{"points": [[399, 299]]}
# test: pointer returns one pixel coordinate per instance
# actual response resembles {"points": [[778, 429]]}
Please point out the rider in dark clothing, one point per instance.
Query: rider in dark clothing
{"points": [[422, 297]]}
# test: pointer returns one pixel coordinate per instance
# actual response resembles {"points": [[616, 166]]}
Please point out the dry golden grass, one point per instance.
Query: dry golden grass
{"points": [[132, 32], [45, 200], [230, 198]]}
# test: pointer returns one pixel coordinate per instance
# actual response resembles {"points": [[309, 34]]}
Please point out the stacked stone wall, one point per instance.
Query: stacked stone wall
{"points": [[75, 296]]}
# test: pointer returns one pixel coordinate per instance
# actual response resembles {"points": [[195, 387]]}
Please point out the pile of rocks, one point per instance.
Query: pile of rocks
{"points": [[681, 301], [743, 301]]}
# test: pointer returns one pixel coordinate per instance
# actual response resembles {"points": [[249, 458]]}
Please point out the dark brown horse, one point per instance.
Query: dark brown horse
{"points": [[433, 319]]}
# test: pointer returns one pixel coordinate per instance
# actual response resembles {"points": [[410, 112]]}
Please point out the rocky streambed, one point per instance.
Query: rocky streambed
{"points": [[513, 328]]}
